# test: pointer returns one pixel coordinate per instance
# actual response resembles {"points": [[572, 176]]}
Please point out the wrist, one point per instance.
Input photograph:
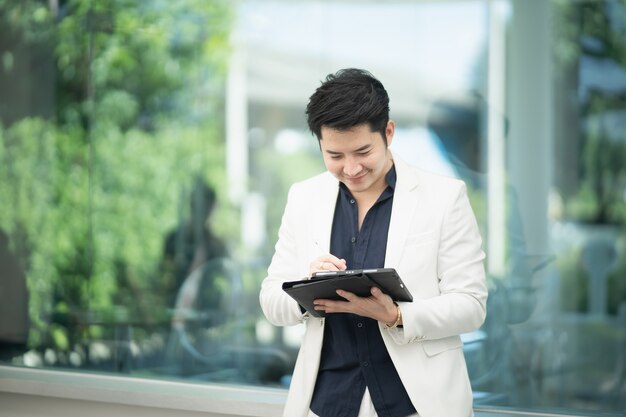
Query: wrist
{"points": [[398, 319]]}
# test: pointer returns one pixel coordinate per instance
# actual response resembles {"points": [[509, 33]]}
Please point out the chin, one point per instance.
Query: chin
{"points": [[357, 188]]}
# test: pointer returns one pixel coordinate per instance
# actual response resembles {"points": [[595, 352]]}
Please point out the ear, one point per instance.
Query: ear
{"points": [[389, 131]]}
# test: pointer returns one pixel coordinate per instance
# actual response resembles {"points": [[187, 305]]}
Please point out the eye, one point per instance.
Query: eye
{"points": [[335, 157]]}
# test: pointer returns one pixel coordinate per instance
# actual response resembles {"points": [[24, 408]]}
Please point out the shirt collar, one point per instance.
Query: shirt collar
{"points": [[391, 177]]}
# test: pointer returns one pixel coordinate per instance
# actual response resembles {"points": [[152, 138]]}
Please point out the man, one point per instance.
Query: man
{"points": [[371, 356]]}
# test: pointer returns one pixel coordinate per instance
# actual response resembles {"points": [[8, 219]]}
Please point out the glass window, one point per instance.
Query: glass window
{"points": [[146, 150]]}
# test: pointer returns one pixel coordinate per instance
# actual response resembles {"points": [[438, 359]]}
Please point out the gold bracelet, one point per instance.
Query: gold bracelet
{"points": [[398, 319]]}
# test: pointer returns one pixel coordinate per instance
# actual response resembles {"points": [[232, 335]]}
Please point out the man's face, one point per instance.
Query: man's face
{"points": [[358, 157]]}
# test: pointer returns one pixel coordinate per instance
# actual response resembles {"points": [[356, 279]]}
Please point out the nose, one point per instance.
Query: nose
{"points": [[352, 168]]}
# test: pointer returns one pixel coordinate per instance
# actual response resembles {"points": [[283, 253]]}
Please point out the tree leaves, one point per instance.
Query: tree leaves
{"points": [[88, 195]]}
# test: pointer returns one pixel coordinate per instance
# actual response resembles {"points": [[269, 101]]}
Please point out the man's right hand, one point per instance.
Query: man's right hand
{"points": [[326, 263]]}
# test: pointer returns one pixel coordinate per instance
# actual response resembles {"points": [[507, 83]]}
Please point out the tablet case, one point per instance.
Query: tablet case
{"points": [[358, 281]]}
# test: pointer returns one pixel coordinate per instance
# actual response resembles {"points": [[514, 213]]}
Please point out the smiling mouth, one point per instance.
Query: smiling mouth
{"points": [[357, 177]]}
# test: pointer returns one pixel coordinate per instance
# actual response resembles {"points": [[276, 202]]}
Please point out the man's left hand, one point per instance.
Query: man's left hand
{"points": [[379, 306]]}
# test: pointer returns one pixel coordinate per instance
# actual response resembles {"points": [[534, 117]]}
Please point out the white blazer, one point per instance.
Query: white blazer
{"points": [[435, 246]]}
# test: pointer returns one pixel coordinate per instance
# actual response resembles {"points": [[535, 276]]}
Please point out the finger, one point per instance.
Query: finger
{"points": [[377, 293], [347, 295], [327, 262], [338, 264], [313, 267], [330, 266], [320, 305], [316, 265], [380, 296], [331, 306], [321, 263]]}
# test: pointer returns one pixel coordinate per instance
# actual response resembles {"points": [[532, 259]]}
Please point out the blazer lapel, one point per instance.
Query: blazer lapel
{"points": [[324, 213], [404, 208]]}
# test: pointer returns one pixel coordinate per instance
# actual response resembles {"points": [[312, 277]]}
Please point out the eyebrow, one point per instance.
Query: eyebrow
{"points": [[361, 149]]}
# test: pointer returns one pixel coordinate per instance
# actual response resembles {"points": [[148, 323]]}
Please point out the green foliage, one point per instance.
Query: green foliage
{"points": [[591, 29], [30, 18], [594, 30], [601, 195], [88, 195]]}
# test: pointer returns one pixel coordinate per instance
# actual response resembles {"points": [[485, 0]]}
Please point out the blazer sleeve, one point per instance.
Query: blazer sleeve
{"points": [[278, 307], [460, 306]]}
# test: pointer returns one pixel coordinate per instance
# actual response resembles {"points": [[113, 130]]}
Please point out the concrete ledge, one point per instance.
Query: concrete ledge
{"points": [[27, 392], [240, 401]]}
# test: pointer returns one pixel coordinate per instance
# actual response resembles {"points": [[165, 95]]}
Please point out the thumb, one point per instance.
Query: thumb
{"points": [[377, 293]]}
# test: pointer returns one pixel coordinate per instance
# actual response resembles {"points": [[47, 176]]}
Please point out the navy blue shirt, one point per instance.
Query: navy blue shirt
{"points": [[353, 353]]}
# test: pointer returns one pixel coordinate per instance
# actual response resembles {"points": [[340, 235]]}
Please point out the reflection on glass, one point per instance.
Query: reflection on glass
{"points": [[113, 122], [458, 126], [191, 245], [15, 325]]}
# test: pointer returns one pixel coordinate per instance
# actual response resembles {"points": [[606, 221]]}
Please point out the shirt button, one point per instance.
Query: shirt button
{"points": [[365, 364], [352, 201], [360, 325], [353, 239]]}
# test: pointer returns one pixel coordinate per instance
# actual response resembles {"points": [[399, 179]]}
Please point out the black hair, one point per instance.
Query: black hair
{"points": [[346, 99]]}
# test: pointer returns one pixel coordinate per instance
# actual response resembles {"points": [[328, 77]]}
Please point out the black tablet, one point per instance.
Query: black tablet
{"points": [[358, 281]]}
